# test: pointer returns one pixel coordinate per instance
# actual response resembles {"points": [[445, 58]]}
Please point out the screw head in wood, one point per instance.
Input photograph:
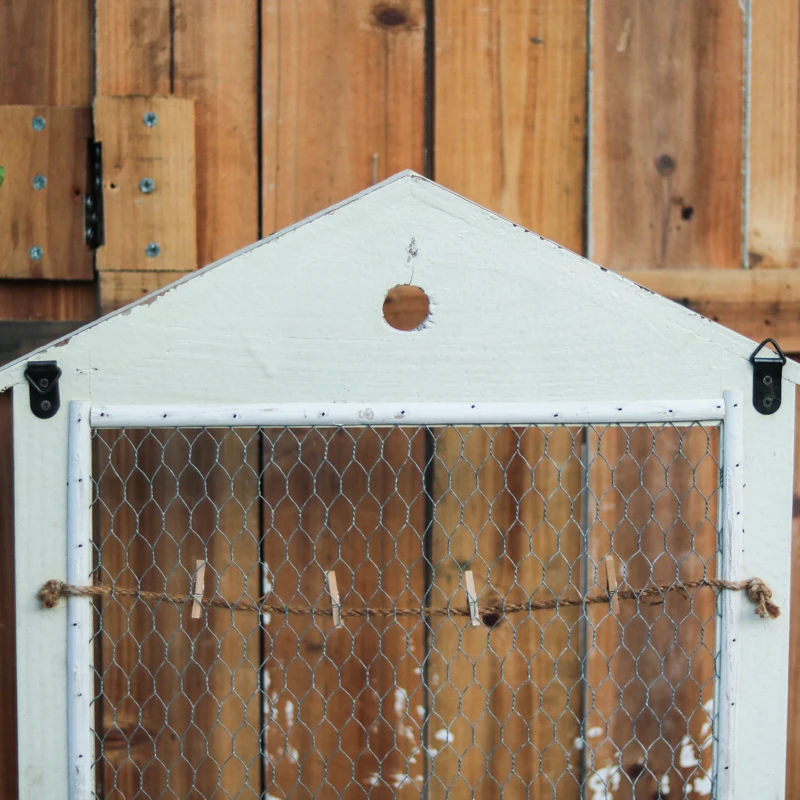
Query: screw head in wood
{"points": [[39, 181], [150, 119], [36, 253], [152, 250], [146, 185], [38, 123]]}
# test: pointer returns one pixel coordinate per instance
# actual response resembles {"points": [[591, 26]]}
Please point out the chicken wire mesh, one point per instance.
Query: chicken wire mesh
{"points": [[574, 702]]}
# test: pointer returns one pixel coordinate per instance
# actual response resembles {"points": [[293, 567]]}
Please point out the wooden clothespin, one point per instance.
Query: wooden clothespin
{"points": [[472, 599], [611, 583], [336, 605], [197, 594]]}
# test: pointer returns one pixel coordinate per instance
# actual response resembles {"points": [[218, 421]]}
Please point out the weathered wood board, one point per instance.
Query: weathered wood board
{"points": [[43, 151], [148, 183]]}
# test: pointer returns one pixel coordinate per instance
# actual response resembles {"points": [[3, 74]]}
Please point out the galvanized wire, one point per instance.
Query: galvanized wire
{"points": [[569, 703]]}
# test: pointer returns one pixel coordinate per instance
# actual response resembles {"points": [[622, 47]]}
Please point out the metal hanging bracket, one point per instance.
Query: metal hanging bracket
{"points": [[43, 379], [93, 202], [767, 379]]}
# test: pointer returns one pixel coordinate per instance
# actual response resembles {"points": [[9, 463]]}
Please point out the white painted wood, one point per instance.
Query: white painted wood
{"points": [[732, 605], [80, 752], [40, 531], [758, 756], [323, 414], [297, 319]]}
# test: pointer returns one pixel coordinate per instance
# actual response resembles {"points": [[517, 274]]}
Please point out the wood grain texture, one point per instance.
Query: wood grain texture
{"points": [[666, 143], [755, 303], [46, 57], [51, 217], [117, 289], [164, 153], [509, 110], [505, 698], [343, 707], [8, 643], [180, 698], [214, 54], [774, 212], [134, 52], [343, 100], [652, 499], [47, 300]]}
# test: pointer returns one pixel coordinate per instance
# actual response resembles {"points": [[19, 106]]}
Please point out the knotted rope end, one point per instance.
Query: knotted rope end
{"points": [[761, 595], [51, 593]]}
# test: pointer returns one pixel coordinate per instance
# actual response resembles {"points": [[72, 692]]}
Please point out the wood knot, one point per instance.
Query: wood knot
{"points": [[51, 593], [386, 15], [761, 595]]}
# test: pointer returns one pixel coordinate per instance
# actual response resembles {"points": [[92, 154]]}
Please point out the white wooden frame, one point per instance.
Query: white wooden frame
{"points": [[728, 410], [514, 319]]}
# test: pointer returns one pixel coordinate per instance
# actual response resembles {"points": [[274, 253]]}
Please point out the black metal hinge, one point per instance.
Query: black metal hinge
{"points": [[767, 378], [43, 379], [93, 203]]}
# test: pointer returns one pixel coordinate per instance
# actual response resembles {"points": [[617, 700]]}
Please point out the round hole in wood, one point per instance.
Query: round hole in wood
{"points": [[406, 307]]}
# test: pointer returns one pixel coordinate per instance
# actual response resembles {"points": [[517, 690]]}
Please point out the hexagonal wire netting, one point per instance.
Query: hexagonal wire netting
{"points": [[571, 702]]}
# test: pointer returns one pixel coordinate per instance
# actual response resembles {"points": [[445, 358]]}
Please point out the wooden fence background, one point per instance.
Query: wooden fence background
{"points": [[661, 138]]}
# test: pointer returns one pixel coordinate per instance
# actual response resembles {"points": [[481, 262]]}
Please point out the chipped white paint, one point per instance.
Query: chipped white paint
{"points": [[702, 785], [288, 709], [687, 756], [420, 711], [322, 414], [604, 782], [400, 701], [80, 741], [400, 779], [595, 731], [444, 735], [578, 744], [238, 332], [663, 785]]}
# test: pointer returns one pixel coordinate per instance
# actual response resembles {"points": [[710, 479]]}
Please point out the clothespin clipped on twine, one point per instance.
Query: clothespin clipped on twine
{"points": [[472, 599], [336, 605], [611, 584], [197, 594]]}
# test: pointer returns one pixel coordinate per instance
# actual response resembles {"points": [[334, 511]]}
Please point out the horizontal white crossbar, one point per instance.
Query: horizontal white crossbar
{"points": [[335, 414]]}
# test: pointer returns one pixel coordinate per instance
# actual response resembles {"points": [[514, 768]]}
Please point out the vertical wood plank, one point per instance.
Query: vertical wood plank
{"points": [[343, 100], [509, 128], [181, 702], [650, 670], [505, 700], [342, 705], [46, 57], [214, 53], [163, 213], [134, 47], [510, 110], [666, 143], [41, 202], [774, 214]]}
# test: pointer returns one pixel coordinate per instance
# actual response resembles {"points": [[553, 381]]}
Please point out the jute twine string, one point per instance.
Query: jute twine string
{"points": [[758, 592]]}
